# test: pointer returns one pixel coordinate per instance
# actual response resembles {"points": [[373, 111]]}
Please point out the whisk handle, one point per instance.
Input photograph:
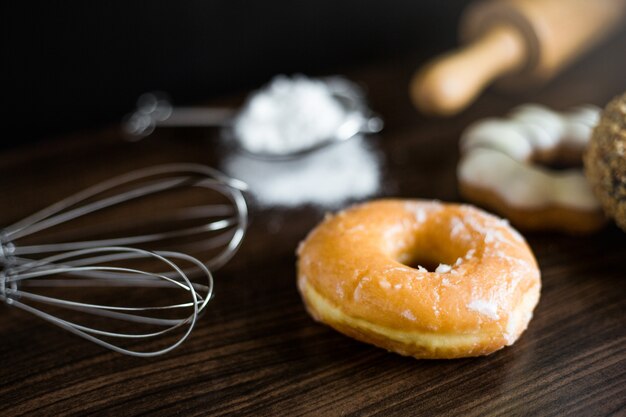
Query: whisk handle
{"points": [[155, 109]]}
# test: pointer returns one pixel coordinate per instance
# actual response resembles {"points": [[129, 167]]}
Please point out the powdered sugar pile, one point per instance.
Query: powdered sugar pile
{"points": [[289, 115]]}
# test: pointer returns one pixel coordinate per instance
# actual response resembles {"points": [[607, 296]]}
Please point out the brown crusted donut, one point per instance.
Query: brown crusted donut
{"points": [[605, 160], [420, 278]]}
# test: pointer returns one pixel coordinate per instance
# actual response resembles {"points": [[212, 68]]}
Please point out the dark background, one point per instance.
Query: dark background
{"points": [[78, 64]]}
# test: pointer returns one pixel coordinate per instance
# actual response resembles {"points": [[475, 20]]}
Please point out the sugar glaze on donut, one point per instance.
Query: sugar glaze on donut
{"points": [[420, 278]]}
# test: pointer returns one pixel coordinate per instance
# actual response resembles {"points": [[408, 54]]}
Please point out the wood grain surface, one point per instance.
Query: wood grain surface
{"points": [[257, 352]]}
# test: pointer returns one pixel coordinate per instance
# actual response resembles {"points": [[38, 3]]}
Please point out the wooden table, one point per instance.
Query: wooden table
{"points": [[256, 351]]}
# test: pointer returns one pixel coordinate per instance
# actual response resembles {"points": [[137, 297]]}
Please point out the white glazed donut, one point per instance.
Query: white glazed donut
{"points": [[501, 168]]}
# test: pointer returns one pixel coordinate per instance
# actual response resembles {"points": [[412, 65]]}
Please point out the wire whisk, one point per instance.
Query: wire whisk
{"points": [[70, 264]]}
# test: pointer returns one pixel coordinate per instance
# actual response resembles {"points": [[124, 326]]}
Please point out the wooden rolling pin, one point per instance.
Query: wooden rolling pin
{"points": [[518, 41]]}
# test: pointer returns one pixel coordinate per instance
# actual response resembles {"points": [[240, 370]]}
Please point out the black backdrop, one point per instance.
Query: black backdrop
{"points": [[75, 64]]}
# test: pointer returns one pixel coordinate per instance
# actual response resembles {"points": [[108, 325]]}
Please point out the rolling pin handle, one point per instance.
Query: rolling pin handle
{"points": [[452, 81]]}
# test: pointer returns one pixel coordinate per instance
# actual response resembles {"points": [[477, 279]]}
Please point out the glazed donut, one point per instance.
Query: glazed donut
{"points": [[420, 278], [605, 160], [501, 168]]}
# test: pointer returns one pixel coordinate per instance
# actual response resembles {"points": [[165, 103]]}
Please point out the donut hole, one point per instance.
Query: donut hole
{"points": [[439, 239], [430, 264], [562, 158], [430, 256]]}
